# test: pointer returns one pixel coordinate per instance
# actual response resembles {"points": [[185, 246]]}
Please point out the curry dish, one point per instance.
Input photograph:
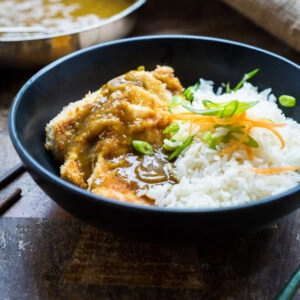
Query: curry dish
{"points": [[93, 136]]}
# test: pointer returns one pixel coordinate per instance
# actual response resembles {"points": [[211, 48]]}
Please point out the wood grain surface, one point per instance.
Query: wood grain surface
{"points": [[45, 253]]}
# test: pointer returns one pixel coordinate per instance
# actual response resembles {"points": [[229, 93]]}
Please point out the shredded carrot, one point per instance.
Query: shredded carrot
{"points": [[249, 153], [263, 123], [270, 171], [189, 116], [209, 122], [236, 145], [232, 120], [267, 125]]}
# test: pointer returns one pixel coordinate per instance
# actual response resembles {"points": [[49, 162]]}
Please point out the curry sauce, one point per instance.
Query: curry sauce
{"points": [[93, 137]]}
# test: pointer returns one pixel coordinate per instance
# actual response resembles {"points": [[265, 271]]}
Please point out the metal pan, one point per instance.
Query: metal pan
{"points": [[32, 52]]}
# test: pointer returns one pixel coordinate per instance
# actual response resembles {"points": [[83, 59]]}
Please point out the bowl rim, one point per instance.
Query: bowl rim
{"points": [[34, 166], [106, 21], [169, 36]]}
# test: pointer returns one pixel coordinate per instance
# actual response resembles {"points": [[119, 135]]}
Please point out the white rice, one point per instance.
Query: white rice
{"points": [[206, 179]]}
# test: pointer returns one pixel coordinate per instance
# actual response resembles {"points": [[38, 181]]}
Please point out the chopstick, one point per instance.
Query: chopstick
{"points": [[10, 200], [11, 174], [5, 179]]}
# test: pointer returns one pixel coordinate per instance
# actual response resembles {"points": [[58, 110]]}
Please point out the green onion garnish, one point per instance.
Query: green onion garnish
{"points": [[243, 106], [229, 109], [245, 78], [234, 133], [189, 91], [251, 142], [172, 128], [187, 142], [142, 147], [287, 101], [223, 110], [212, 141], [176, 101], [208, 104]]}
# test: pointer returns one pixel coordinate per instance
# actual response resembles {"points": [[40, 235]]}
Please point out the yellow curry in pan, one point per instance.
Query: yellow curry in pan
{"points": [[56, 15]]}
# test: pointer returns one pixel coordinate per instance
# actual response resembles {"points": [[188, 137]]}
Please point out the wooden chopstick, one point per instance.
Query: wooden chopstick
{"points": [[11, 174], [10, 200], [5, 179]]}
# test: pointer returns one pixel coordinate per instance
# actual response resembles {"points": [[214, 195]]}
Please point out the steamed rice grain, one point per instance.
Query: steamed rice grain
{"points": [[206, 179]]}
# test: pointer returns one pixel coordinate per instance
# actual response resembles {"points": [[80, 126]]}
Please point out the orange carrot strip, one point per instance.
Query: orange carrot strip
{"points": [[278, 135], [266, 125], [231, 120], [249, 153], [191, 116], [207, 122], [270, 171], [204, 126], [260, 123], [237, 144]]}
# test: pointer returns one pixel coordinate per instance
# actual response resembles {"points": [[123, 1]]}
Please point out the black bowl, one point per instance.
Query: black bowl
{"points": [[69, 78]]}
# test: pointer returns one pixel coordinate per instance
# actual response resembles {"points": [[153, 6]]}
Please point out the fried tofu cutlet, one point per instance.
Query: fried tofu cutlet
{"points": [[92, 137]]}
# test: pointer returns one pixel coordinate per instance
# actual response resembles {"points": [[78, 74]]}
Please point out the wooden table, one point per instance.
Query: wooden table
{"points": [[45, 253]]}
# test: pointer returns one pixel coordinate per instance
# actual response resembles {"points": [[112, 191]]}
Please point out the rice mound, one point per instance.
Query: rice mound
{"points": [[207, 180]]}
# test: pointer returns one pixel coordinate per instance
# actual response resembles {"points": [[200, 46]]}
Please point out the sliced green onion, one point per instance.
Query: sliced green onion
{"points": [[172, 128], [142, 147], [287, 101], [168, 147], [243, 106], [228, 137], [189, 91], [176, 101], [245, 78], [208, 104], [234, 133], [187, 142], [251, 142], [229, 109], [204, 112], [212, 141], [227, 88], [224, 110], [269, 120]]}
